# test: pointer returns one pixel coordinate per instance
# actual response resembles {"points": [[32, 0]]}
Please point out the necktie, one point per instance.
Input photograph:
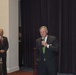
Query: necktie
{"points": [[43, 48]]}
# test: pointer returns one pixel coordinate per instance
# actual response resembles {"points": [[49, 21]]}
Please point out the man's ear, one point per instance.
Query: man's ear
{"points": [[47, 31]]}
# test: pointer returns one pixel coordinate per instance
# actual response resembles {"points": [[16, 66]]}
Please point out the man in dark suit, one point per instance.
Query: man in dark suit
{"points": [[3, 50], [46, 53]]}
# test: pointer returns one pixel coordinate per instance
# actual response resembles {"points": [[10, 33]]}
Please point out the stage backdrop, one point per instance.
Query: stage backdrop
{"points": [[60, 18]]}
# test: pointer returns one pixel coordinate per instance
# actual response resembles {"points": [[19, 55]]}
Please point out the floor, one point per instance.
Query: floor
{"points": [[21, 73], [29, 73]]}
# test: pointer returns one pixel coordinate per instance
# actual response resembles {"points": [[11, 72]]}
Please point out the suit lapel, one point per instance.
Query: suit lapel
{"points": [[40, 44], [3, 39], [48, 39]]}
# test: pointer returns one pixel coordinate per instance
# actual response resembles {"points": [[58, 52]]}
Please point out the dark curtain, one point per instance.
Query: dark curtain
{"points": [[68, 36], [59, 16]]}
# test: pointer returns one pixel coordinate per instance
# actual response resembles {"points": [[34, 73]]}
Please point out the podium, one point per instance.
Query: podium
{"points": [[0, 66]]}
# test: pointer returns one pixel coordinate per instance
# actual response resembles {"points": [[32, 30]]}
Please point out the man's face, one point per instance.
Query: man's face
{"points": [[43, 32], [1, 32]]}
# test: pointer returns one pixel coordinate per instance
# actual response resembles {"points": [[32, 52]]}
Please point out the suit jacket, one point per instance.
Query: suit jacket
{"points": [[4, 45], [50, 53]]}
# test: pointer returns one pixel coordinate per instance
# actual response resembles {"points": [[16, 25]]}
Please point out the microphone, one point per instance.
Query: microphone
{"points": [[42, 40]]}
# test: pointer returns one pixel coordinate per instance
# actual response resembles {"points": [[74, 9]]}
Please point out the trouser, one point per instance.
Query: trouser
{"points": [[4, 70], [43, 69]]}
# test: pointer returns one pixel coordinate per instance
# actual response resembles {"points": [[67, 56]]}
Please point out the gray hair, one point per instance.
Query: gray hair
{"points": [[43, 27]]}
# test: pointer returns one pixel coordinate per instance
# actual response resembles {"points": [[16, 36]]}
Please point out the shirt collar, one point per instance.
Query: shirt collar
{"points": [[45, 39]]}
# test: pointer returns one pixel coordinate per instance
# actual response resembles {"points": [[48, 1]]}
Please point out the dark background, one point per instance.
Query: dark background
{"points": [[60, 18]]}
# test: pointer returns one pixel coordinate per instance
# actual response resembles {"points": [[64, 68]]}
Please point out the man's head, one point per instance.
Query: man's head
{"points": [[1, 32], [43, 31]]}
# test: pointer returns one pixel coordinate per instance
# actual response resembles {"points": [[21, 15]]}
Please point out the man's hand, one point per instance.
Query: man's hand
{"points": [[2, 51], [44, 43]]}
